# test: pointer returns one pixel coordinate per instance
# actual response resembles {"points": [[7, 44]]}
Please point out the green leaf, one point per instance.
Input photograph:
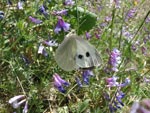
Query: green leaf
{"points": [[83, 106], [86, 19]]}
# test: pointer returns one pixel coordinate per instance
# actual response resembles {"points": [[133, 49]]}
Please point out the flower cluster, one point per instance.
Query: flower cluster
{"points": [[19, 100], [112, 82], [130, 14], [86, 74], [59, 83], [116, 103], [126, 33], [115, 59]]}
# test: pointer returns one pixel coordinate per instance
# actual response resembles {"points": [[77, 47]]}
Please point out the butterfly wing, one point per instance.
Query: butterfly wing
{"points": [[86, 55], [65, 54]]}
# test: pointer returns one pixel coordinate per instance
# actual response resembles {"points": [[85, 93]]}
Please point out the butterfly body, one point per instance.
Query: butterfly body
{"points": [[76, 53]]}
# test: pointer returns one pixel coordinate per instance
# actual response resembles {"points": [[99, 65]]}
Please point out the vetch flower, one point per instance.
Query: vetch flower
{"points": [[1, 14], [51, 43], [115, 59], [144, 50], [69, 2], [16, 101], [146, 80], [42, 50], [20, 5], [111, 82], [60, 13], [127, 82], [126, 33], [130, 14], [42, 10], [88, 35], [108, 18], [97, 35], [116, 103], [86, 74], [147, 20], [119, 96], [103, 24], [59, 83], [61, 25], [34, 20], [117, 3], [78, 82], [141, 107], [25, 109]]}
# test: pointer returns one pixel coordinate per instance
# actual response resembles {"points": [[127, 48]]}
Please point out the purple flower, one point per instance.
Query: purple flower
{"points": [[69, 2], [144, 50], [111, 82], [108, 18], [20, 5], [60, 13], [25, 109], [42, 10], [78, 82], [97, 35], [135, 45], [50, 43], [115, 59], [1, 14], [86, 74], [16, 101], [117, 3], [119, 96], [34, 20], [141, 107], [59, 82], [103, 24], [146, 80], [130, 13], [61, 25], [116, 102], [88, 35], [147, 20], [126, 33], [112, 108], [127, 82], [42, 51]]}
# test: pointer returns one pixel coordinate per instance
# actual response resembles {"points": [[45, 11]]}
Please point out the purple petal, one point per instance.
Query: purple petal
{"points": [[25, 109], [20, 5], [69, 2], [78, 82], [15, 98], [34, 20], [66, 26]]}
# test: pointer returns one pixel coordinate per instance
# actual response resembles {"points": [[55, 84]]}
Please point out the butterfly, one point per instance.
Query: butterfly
{"points": [[76, 53]]}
